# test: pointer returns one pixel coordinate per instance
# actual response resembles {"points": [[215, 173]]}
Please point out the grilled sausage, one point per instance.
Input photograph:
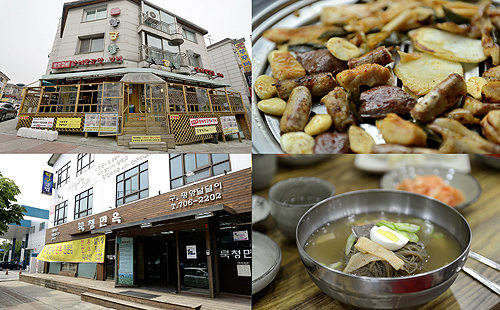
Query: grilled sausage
{"points": [[332, 143], [441, 97], [338, 107], [297, 110], [319, 85], [380, 55]]}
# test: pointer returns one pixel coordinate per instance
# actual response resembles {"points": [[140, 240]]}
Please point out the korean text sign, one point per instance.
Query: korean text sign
{"points": [[90, 250], [47, 183]]}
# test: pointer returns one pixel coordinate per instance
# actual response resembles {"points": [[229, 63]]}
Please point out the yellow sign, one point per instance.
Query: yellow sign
{"points": [[70, 122], [89, 250], [205, 130], [244, 58], [146, 138]]}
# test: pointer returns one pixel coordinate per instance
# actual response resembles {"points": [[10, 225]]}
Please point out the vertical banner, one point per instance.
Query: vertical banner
{"points": [[243, 54], [47, 183], [126, 261]]}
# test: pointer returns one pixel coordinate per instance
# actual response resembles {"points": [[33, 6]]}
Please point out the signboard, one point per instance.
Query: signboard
{"points": [[240, 235], [70, 122], [243, 269], [191, 251], [146, 138], [126, 260], [109, 122], [90, 250], [244, 58], [42, 122], [86, 62], [205, 130], [47, 183], [229, 125], [61, 64], [175, 116], [193, 122]]}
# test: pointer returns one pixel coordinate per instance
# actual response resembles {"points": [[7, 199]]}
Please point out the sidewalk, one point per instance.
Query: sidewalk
{"points": [[76, 143]]}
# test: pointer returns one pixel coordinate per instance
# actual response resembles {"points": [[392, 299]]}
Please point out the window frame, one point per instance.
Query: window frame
{"points": [[90, 46], [79, 161], [67, 169], [41, 226], [94, 10], [185, 30], [199, 169], [141, 192], [89, 195], [64, 207]]}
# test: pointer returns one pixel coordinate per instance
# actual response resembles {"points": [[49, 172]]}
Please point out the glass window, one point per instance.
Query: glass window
{"points": [[188, 168], [63, 174], [133, 184], [95, 14], [170, 47], [84, 162], [89, 45], [148, 8], [189, 35], [42, 226], [169, 19], [83, 204], [154, 42], [60, 214]]}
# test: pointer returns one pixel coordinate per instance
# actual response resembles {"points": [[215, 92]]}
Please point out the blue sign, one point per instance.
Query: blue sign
{"points": [[47, 183]]}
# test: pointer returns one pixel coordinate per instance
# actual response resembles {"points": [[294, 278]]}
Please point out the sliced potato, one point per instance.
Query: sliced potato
{"points": [[273, 106], [265, 87], [474, 86], [447, 45], [422, 74], [319, 123], [297, 142], [342, 49], [360, 141], [396, 130]]}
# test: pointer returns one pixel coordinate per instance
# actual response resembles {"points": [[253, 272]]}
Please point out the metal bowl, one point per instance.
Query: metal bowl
{"points": [[383, 293], [453, 177]]}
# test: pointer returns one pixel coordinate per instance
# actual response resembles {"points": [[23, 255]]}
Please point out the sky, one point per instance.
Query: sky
{"points": [[28, 28], [26, 170]]}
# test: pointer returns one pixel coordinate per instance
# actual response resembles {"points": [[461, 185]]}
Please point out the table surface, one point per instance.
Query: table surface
{"points": [[293, 289]]}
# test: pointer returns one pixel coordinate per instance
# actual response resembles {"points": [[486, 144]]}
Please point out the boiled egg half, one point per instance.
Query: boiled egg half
{"points": [[388, 238]]}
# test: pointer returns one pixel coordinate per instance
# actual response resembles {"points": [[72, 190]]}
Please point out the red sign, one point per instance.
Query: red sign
{"points": [[61, 64], [209, 72], [203, 121], [115, 11]]}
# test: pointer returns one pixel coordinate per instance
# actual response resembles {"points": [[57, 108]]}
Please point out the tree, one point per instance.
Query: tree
{"points": [[10, 212]]}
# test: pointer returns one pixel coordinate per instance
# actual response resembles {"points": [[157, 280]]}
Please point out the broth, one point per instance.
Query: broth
{"points": [[326, 244]]}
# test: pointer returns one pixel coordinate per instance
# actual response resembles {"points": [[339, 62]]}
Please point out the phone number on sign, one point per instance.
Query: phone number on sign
{"points": [[202, 199]]}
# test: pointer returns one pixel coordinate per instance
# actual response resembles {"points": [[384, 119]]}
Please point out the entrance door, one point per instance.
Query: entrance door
{"points": [[155, 109], [194, 274], [160, 262]]}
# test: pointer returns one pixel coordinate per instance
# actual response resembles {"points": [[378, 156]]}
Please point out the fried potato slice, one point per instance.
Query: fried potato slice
{"points": [[422, 74], [447, 45], [360, 141], [297, 142]]}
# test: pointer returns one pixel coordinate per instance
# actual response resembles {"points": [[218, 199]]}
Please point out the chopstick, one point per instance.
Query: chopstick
{"points": [[485, 281]]}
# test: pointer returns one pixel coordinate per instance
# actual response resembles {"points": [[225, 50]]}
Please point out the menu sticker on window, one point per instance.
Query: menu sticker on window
{"points": [[244, 269], [191, 251]]}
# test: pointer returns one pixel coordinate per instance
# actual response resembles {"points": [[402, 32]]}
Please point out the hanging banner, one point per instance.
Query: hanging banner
{"points": [[47, 183], [125, 260], [205, 130], [68, 122], [244, 57], [90, 250]]}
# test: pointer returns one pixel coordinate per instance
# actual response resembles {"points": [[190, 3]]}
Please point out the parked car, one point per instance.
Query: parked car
{"points": [[196, 277], [9, 265], [7, 110]]}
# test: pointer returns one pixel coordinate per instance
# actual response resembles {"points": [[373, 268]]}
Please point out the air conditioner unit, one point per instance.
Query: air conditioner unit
{"points": [[152, 16]]}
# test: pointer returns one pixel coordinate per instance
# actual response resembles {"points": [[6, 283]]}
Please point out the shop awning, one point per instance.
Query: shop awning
{"points": [[141, 78], [180, 215], [90, 250]]}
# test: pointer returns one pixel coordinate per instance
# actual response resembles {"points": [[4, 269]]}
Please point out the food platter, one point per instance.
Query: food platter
{"points": [[292, 14]]}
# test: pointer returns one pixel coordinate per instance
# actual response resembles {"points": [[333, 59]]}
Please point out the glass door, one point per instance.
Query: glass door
{"points": [[193, 261]]}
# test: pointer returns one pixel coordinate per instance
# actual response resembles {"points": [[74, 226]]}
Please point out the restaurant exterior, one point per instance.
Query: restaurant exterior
{"points": [[130, 68], [147, 221]]}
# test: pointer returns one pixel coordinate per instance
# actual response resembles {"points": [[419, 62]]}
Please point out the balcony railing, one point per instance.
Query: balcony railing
{"points": [[171, 28], [156, 56]]}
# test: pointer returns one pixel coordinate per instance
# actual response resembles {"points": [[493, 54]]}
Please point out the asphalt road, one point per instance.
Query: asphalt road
{"points": [[77, 143]]}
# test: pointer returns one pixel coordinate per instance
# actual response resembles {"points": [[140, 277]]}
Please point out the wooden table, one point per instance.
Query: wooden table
{"points": [[293, 289]]}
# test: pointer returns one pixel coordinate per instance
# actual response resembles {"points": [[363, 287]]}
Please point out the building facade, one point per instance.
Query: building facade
{"points": [[181, 222], [232, 57], [121, 67], [3, 82]]}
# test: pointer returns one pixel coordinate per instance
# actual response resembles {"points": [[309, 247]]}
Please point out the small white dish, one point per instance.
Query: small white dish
{"points": [[260, 209], [380, 163], [266, 261]]}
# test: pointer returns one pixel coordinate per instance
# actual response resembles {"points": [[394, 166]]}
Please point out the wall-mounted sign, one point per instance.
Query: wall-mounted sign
{"points": [[175, 116], [208, 72], [114, 22], [193, 122], [197, 195], [229, 125], [89, 250], [191, 251], [86, 62], [103, 222], [236, 254], [115, 11], [109, 122], [205, 130], [47, 183], [113, 35], [113, 49], [69, 122], [42, 122], [244, 58], [146, 138]]}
